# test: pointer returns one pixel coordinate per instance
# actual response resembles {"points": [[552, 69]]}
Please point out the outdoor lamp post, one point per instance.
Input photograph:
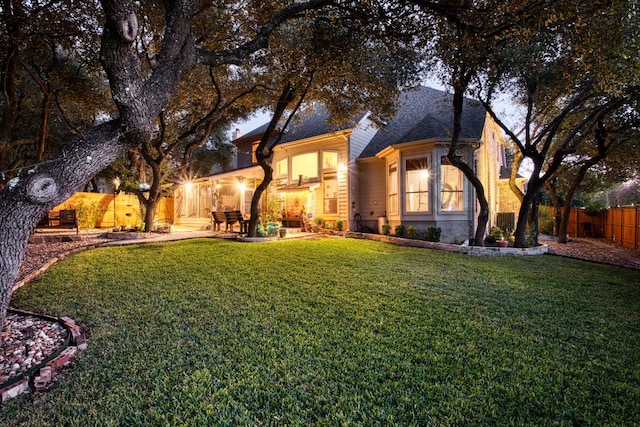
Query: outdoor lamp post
{"points": [[116, 186]]}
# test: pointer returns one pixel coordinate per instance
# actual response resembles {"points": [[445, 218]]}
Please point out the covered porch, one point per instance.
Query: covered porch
{"points": [[227, 191]]}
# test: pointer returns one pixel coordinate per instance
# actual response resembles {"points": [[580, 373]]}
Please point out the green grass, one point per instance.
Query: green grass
{"points": [[337, 332]]}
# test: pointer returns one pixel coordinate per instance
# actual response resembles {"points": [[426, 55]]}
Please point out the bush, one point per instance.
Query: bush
{"points": [[88, 213], [399, 231], [386, 229], [545, 221], [339, 225], [272, 229], [497, 234], [319, 221], [412, 232], [433, 234]]}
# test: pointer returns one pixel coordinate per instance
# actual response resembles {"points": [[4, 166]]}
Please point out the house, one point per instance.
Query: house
{"points": [[366, 174]]}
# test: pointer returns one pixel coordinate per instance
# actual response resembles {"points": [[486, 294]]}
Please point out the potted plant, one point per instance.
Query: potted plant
{"points": [[498, 235]]}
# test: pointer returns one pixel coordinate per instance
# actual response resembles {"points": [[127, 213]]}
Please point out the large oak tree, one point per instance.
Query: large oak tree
{"points": [[140, 95]]}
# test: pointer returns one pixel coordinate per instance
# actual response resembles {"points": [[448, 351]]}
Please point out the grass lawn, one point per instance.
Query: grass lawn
{"points": [[337, 332]]}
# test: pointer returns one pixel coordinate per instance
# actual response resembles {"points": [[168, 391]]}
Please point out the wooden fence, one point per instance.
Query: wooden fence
{"points": [[618, 225], [99, 210]]}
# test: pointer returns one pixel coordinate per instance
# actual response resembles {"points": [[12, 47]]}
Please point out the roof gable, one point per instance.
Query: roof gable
{"points": [[310, 122], [426, 113], [423, 113]]}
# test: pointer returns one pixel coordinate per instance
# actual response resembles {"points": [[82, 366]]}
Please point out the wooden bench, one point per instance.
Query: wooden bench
{"points": [[291, 221], [65, 218], [232, 217], [217, 218]]}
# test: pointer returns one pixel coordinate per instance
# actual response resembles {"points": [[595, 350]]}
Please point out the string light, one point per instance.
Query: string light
{"points": [[34, 167]]}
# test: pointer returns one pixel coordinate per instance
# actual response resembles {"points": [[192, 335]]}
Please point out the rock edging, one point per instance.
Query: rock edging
{"points": [[40, 377], [449, 247]]}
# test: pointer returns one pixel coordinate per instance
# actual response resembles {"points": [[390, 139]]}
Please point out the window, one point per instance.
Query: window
{"points": [[305, 165], [393, 188], [254, 147], [282, 167], [451, 181], [417, 185], [330, 186], [329, 160]]}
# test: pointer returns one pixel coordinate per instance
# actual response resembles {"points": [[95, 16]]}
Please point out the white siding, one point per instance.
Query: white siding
{"points": [[372, 191], [489, 158], [362, 134]]}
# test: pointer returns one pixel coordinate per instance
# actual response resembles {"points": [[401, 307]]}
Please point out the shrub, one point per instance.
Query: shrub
{"points": [[386, 229], [319, 221], [545, 221], [272, 229], [433, 234], [339, 225], [594, 207], [412, 232], [497, 233], [88, 213], [399, 231]]}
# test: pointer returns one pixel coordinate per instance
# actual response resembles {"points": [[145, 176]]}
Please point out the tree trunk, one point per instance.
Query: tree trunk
{"points": [[457, 161], [151, 206], [27, 198], [255, 199], [528, 211], [600, 135], [264, 150], [551, 187], [571, 191]]}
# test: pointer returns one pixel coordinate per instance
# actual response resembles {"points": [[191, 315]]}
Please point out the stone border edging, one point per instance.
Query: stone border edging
{"points": [[450, 247], [40, 377]]}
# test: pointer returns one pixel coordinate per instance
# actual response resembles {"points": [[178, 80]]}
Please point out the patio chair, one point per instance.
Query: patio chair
{"points": [[217, 218]]}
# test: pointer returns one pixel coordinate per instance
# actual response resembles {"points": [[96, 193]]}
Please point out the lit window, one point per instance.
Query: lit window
{"points": [[305, 165], [330, 185], [254, 147], [393, 188], [417, 185], [282, 167], [451, 192], [329, 160]]}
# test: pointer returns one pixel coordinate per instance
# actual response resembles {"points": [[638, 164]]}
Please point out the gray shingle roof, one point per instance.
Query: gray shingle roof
{"points": [[425, 113], [311, 122]]}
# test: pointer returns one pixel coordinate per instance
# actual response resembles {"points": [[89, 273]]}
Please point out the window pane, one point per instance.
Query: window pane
{"points": [[305, 165], [452, 188], [329, 160], [330, 193], [254, 147], [282, 167], [417, 202], [416, 185], [393, 188]]}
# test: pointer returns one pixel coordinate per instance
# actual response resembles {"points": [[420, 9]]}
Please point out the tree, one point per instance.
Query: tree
{"points": [[140, 97], [461, 38], [339, 58], [605, 156], [48, 87], [551, 64]]}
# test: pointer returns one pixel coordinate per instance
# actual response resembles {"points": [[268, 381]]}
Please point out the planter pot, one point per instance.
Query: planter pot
{"points": [[502, 243], [283, 232]]}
